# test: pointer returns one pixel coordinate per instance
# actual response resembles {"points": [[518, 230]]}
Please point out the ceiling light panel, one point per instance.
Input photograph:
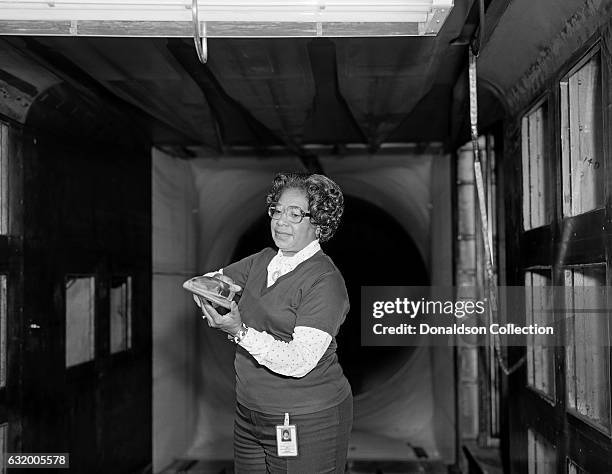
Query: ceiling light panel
{"points": [[224, 18]]}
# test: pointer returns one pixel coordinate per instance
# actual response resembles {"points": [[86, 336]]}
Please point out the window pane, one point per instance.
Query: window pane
{"points": [[581, 139], [3, 348], [3, 447], [587, 352], [4, 147], [536, 207], [465, 205], [468, 388], [541, 455], [80, 298], [540, 358], [573, 468], [121, 314]]}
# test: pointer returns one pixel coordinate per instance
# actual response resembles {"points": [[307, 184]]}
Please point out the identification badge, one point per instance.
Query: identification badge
{"points": [[286, 438]]}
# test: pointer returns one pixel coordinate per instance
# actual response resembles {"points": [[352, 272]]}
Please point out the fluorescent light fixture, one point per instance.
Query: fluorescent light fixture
{"points": [[224, 18]]}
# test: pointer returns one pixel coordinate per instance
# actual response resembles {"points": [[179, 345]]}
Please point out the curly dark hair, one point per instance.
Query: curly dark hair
{"points": [[325, 199]]}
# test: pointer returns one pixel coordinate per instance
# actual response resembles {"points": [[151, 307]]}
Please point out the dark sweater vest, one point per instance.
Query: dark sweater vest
{"points": [[313, 295]]}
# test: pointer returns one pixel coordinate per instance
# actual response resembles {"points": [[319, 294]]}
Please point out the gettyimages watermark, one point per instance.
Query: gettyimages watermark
{"points": [[508, 316]]}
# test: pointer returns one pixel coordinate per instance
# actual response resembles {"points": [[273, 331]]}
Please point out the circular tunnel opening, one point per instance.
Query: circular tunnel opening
{"points": [[370, 248]]}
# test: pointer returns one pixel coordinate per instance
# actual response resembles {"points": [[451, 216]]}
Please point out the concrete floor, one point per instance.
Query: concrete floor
{"points": [[368, 454]]}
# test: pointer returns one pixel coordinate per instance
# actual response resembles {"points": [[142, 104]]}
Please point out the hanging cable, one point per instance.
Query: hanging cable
{"points": [[476, 43], [491, 283], [200, 41]]}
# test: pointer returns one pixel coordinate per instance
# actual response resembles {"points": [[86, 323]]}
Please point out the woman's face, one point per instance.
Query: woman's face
{"points": [[290, 237]]}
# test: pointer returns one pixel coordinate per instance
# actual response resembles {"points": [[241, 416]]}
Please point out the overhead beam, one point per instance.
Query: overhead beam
{"points": [[331, 120], [229, 114]]}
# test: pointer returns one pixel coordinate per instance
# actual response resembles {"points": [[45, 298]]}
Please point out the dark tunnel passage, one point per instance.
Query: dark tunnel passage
{"points": [[384, 254]]}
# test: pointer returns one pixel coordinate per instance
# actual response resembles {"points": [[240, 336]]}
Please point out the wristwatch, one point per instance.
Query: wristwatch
{"points": [[240, 334]]}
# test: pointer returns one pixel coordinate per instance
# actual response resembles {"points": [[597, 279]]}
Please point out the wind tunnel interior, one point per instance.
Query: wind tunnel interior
{"points": [[396, 230], [207, 211]]}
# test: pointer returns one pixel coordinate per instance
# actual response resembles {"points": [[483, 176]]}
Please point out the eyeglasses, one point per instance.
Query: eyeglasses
{"points": [[292, 213]]}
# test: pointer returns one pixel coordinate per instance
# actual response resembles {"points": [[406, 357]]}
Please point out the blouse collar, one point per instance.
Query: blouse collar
{"points": [[304, 254]]}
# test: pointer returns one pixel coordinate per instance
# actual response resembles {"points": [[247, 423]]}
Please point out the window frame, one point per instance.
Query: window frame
{"points": [[130, 329], [541, 101], [585, 57], [16, 143], [551, 399], [576, 240], [94, 319], [573, 412]]}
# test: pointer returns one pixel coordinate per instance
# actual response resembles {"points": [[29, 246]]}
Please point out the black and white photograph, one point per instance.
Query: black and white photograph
{"points": [[306, 237]]}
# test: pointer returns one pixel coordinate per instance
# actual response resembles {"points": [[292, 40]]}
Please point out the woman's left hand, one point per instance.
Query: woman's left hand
{"points": [[230, 322]]}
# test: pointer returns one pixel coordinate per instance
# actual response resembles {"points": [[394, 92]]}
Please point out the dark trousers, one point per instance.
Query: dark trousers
{"points": [[322, 441]]}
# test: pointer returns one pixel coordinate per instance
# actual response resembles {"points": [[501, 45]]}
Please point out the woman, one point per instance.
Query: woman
{"points": [[292, 304]]}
